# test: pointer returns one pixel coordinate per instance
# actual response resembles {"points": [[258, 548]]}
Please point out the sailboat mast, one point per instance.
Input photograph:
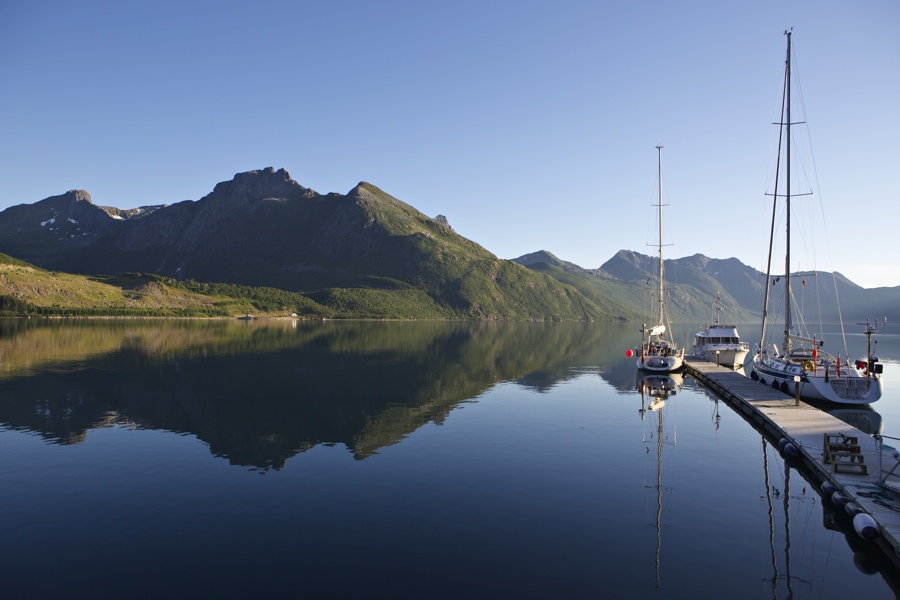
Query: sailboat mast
{"points": [[783, 137], [787, 260], [659, 203]]}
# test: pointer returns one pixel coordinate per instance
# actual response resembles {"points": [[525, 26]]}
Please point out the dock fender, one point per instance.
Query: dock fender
{"points": [[865, 526], [866, 562], [852, 509], [788, 448], [839, 500], [774, 384], [754, 375], [867, 556], [828, 489]]}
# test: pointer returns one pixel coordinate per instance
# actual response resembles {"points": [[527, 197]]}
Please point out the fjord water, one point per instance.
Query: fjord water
{"points": [[410, 460]]}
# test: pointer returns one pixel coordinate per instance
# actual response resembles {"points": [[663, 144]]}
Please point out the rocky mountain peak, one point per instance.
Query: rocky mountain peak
{"points": [[541, 256], [74, 203], [258, 184], [366, 193], [363, 190], [77, 196]]}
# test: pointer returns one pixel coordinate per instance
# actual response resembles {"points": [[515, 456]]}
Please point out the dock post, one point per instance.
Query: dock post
{"points": [[796, 390], [879, 449]]}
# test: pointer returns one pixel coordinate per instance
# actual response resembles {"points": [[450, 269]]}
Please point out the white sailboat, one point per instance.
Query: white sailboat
{"points": [[657, 353], [801, 359]]}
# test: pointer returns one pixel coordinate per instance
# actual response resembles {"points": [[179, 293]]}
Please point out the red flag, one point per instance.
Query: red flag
{"points": [[804, 282]]}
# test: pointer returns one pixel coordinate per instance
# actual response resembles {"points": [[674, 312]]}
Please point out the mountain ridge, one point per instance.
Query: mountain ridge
{"points": [[694, 282], [367, 250]]}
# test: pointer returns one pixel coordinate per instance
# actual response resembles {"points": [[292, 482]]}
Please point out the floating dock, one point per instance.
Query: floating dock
{"points": [[840, 456]]}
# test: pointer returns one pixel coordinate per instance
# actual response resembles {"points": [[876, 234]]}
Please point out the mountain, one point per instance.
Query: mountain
{"points": [[368, 254], [365, 253], [694, 282], [629, 279]]}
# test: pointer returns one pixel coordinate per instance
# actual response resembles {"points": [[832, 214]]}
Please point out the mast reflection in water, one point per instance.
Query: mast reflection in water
{"points": [[476, 460], [655, 391]]}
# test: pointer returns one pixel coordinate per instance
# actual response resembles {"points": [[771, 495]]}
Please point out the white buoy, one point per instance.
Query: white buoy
{"points": [[865, 526]]}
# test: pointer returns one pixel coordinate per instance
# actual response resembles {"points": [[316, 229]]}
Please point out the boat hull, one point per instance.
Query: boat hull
{"points": [[660, 364], [850, 388], [733, 358]]}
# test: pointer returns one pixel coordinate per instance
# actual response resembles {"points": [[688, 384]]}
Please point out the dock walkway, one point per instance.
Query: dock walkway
{"points": [[810, 430]]}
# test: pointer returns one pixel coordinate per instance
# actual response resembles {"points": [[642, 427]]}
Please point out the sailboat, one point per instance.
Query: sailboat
{"points": [[801, 361], [658, 354]]}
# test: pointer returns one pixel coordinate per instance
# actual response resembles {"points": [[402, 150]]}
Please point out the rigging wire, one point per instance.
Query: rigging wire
{"points": [[809, 147], [803, 154]]}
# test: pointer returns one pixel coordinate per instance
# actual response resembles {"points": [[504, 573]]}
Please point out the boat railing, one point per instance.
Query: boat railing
{"points": [[888, 463]]}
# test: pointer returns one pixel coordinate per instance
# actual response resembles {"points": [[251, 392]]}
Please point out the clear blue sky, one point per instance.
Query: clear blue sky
{"points": [[530, 125]]}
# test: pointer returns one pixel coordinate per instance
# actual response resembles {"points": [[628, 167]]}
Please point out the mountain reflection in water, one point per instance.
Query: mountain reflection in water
{"points": [[260, 392]]}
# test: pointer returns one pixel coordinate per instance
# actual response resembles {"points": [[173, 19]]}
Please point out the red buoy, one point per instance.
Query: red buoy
{"points": [[629, 353]]}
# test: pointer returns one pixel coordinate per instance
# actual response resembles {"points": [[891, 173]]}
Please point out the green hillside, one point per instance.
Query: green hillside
{"points": [[498, 290]]}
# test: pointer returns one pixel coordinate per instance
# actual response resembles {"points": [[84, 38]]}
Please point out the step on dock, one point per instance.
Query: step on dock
{"points": [[843, 451], [835, 452]]}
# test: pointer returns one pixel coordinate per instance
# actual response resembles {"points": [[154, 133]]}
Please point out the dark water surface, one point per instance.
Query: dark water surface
{"points": [[403, 460]]}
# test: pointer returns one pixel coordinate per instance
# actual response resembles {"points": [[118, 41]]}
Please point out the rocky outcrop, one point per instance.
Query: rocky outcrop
{"points": [[443, 222]]}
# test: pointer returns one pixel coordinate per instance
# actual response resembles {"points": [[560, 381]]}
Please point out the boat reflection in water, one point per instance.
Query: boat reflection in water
{"points": [[864, 418], [777, 481], [655, 390]]}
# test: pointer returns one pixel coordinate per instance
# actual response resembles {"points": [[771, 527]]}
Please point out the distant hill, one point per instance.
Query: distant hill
{"points": [[630, 279], [694, 282]]}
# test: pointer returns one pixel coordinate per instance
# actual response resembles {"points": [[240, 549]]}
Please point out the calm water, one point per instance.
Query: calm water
{"points": [[403, 460]]}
